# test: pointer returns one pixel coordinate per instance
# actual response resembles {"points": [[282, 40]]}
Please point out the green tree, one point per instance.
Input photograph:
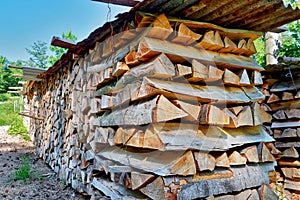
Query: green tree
{"points": [[6, 75], [38, 55], [58, 51]]}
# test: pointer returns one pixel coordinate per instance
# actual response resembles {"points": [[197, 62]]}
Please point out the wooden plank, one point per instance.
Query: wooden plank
{"points": [[191, 92], [144, 113], [249, 176], [160, 163], [154, 46]]}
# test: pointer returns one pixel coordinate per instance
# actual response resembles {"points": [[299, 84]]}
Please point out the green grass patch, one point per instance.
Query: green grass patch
{"points": [[7, 114], [4, 97], [23, 172]]}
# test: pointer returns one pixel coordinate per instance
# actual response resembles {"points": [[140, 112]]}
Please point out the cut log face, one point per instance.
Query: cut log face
{"points": [[222, 160], [155, 190], [199, 71], [161, 28], [211, 114], [245, 117], [244, 78], [231, 78], [236, 159], [139, 180], [290, 153], [183, 70], [292, 113], [259, 115], [266, 155], [229, 46], [256, 78], [211, 41], [214, 74], [192, 109], [205, 161], [251, 154], [185, 35], [119, 69]]}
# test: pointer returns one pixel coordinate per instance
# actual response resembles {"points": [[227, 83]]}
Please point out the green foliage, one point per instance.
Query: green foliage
{"points": [[4, 97], [260, 55], [38, 55], [23, 172], [291, 41], [6, 76], [58, 51], [7, 114], [17, 128]]}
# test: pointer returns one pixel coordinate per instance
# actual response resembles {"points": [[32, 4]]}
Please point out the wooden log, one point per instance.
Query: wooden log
{"points": [[160, 67], [229, 46], [245, 177], [155, 190], [236, 109], [291, 173], [211, 41], [264, 154], [259, 115], [266, 192], [152, 140], [230, 78], [132, 58], [179, 136], [214, 74], [280, 144], [177, 52], [243, 78], [245, 117], [282, 86], [285, 105], [273, 98], [190, 92], [295, 123], [287, 96], [185, 36], [199, 72], [222, 160], [205, 161], [139, 180], [211, 114], [279, 115], [250, 48], [160, 28], [156, 110], [233, 120], [242, 47], [289, 162], [292, 113], [290, 153], [193, 109], [236, 159], [292, 185], [119, 69], [289, 132], [257, 78], [183, 70], [273, 149], [160, 163], [250, 153]]}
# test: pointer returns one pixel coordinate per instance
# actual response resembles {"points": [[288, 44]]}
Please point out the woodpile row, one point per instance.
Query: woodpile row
{"points": [[167, 110], [282, 88]]}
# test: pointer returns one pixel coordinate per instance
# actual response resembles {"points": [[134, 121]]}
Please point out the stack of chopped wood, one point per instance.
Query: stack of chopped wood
{"points": [[167, 110], [282, 84]]}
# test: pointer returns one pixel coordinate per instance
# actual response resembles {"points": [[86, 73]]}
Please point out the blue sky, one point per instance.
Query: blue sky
{"points": [[23, 22]]}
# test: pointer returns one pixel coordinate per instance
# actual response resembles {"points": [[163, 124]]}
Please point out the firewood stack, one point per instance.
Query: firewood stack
{"points": [[166, 110], [282, 84]]}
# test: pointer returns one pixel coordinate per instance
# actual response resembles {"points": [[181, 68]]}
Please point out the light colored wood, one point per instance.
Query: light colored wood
{"points": [[291, 124], [152, 140], [151, 47], [185, 36], [273, 98], [160, 28], [160, 163], [281, 86], [183, 70], [205, 161], [193, 109], [292, 113], [289, 132], [266, 155], [236, 109], [245, 117], [290, 153], [199, 72], [211, 41], [273, 149], [285, 105], [250, 48], [279, 115], [291, 173], [233, 120], [214, 74], [222, 160], [229, 46], [250, 153], [131, 58], [287, 96], [155, 110], [230, 78], [155, 190], [259, 115], [139, 180], [119, 69], [292, 185], [236, 159], [257, 78], [244, 78], [211, 114]]}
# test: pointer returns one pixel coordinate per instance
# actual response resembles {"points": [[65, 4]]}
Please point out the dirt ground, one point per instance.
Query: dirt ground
{"points": [[44, 184]]}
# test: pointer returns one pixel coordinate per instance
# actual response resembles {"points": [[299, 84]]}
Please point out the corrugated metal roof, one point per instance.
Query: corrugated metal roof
{"points": [[258, 15], [30, 73]]}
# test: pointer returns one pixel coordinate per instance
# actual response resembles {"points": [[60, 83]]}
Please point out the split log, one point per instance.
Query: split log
{"points": [[233, 120], [250, 153], [185, 36], [281, 86], [193, 109], [155, 190], [160, 163], [211, 41], [291, 173], [236, 110], [214, 74], [242, 47], [199, 72], [264, 153], [285, 105], [250, 48], [292, 185], [292, 113], [266, 192], [273, 98], [183, 70], [119, 69], [257, 78], [160, 28], [286, 144], [245, 117], [236, 159], [205, 161], [211, 114], [289, 132], [229, 46], [132, 58], [287, 96], [286, 124], [259, 115], [243, 78], [179, 53], [231, 78], [222, 160], [290, 153], [279, 115], [156, 110], [246, 177], [139, 180]]}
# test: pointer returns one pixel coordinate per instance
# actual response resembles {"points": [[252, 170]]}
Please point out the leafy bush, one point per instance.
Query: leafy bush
{"points": [[7, 114], [17, 127], [4, 97]]}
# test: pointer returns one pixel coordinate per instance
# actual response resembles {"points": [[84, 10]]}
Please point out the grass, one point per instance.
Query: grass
{"points": [[9, 117], [23, 172]]}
